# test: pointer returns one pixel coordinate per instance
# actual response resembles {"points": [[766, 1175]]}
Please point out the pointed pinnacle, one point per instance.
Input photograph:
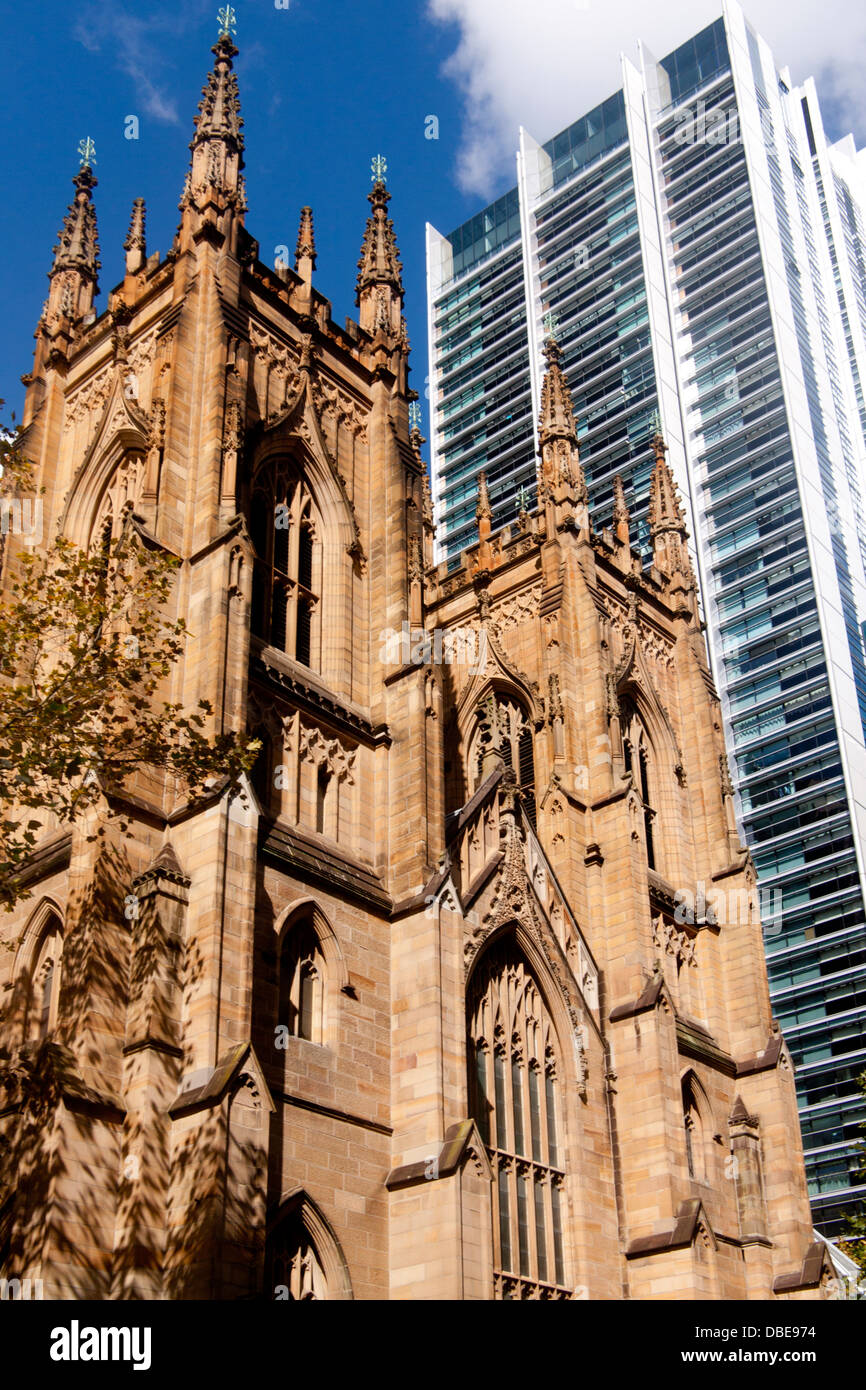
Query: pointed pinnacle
{"points": [[665, 509], [557, 413], [220, 106], [379, 263], [135, 235], [135, 245], [483, 509], [620, 509], [78, 243], [306, 245], [426, 501]]}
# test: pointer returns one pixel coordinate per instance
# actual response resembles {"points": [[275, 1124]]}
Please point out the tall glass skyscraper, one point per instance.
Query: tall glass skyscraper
{"points": [[703, 250]]}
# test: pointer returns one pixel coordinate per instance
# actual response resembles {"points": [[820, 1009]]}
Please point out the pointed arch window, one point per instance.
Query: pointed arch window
{"points": [[121, 496], [638, 759], [323, 780], [44, 994], [694, 1132], [302, 976], [287, 576], [504, 727], [303, 1258], [295, 1271], [515, 1102]]}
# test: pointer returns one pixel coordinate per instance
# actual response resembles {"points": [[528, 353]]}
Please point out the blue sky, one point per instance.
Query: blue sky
{"points": [[324, 86]]}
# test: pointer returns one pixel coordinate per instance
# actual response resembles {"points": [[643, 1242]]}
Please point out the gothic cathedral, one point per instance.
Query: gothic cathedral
{"points": [[418, 1011]]}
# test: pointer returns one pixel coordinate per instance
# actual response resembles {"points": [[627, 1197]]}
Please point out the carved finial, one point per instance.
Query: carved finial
{"points": [[87, 152], [426, 504], [227, 20], [557, 411], [135, 245], [725, 775], [305, 250], [379, 167], [74, 274], [562, 477], [620, 513], [667, 519], [483, 515], [415, 435], [379, 287], [665, 508], [218, 143], [483, 510]]}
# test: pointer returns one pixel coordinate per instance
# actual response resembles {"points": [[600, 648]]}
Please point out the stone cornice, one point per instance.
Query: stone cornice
{"points": [[50, 856], [310, 697]]}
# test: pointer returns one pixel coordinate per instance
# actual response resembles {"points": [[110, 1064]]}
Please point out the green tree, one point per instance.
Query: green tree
{"points": [[85, 648]]}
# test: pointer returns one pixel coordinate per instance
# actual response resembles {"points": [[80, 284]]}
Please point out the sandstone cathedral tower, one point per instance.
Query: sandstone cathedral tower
{"points": [[417, 1013]]}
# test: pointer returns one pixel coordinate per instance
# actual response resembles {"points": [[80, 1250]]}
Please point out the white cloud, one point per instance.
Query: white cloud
{"points": [[544, 63], [139, 46]]}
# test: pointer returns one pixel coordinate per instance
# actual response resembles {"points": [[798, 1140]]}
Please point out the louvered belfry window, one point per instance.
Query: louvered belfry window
{"points": [[286, 578], [515, 748], [516, 1104], [637, 758]]}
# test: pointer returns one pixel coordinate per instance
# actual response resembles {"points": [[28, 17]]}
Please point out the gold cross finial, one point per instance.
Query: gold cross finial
{"points": [[379, 166], [87, 152], [551, 322], [227, 20]]}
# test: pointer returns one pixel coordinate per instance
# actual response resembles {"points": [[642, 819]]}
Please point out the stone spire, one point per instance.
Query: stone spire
{"points": [[73, 276], [379, 288], [484, 517], [620, 513], [214, 191], [305, 251], [483, 510], [562, 490], [666, 518], [135, 245], [73, 285], [557, 412]]}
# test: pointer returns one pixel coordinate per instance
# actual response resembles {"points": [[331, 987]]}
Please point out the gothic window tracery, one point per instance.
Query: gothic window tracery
{"points": [[516, 1104], [120, 496], [287, 576], [504, 728], [295, 1270], [327, 784]]}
